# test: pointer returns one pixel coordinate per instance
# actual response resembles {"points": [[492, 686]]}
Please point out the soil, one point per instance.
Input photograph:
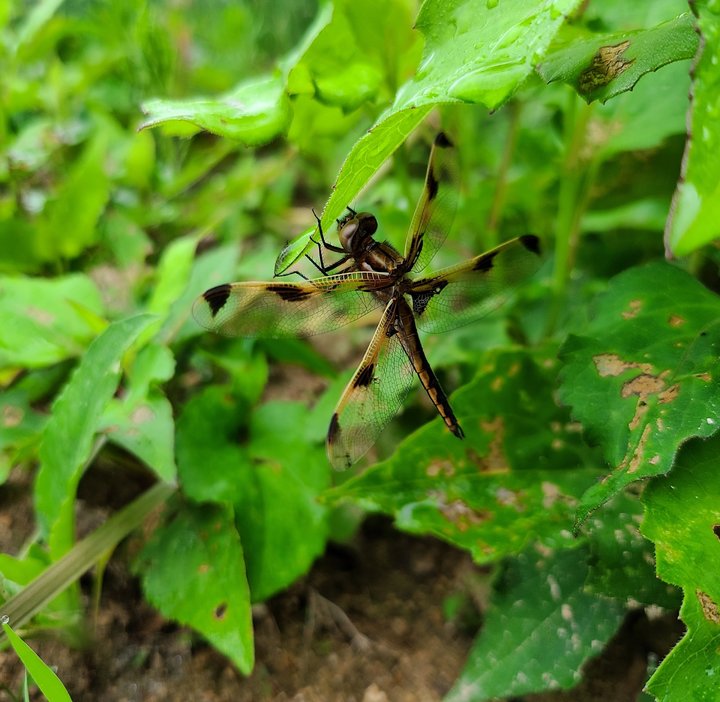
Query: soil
{"points": [[365, 625]]}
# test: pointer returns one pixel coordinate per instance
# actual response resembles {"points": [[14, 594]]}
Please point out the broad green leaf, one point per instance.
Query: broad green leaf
{"points": [[67, 442], [600, 67], [211, 456], [540, 628], [253, 113], [695, 216], [475, 52], [682, 514], [280, 494], [146, 430], [46, 680], [645, 375], [689, 671], [69, 223], [43, 320], [478, 51], [622, 563], [193, 571], [515, 479], [263, 464]]}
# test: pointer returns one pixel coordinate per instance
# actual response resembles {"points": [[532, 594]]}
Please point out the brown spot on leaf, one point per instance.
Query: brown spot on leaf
{"points": [[675, 320], [633, 309], [440, 467], [497, 383], [461, 515], [203, 568], [606, 65], [669, 395], [716, 530], [705, 377], [643, 385], [610, 364], [709, 607], [633, 465], [494, 461], [12, 416], [551, 494], [220, 610]]}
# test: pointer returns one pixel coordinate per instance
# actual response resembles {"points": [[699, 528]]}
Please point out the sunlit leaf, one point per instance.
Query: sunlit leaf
{"points": [[253, 113], [645, 375]]}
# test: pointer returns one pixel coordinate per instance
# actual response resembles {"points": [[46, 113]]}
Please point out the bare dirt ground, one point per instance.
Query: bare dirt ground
{"points": [[365, 625]]}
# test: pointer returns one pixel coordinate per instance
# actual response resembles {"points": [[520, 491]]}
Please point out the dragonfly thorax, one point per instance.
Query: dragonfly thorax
{"points": [[356, 233]]}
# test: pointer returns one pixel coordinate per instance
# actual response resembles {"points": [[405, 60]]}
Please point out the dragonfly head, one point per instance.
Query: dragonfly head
{"points": [[355, 230]]}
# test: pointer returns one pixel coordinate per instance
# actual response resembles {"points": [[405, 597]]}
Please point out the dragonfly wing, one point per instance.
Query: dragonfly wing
{"points": [[373, 396], [436, 208], [282, 309], [463, 293]]}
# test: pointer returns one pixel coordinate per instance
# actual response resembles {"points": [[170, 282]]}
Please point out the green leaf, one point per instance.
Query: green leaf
{"points": [[601, 67], [480, 52], [645, 375], [226, 454], [540, 628], [45, 321], [145, 429], [514, 480], [67, 442], [622, 563], [48, 683], [68, 226], [210, 455], [193, 571], [682, 514], [142, 420], [253, 113], [279, 494], [688, 671], [694, 217]]}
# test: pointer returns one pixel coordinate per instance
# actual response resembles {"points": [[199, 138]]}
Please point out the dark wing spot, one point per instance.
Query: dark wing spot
{"points": [[420, 300], [531, 243], [289, 293], [485, 263], [217, 297], [432, 185], [443, 141], [333, 429], [365, 376]]}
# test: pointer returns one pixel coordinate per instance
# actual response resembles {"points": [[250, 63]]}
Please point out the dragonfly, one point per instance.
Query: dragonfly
{"points": [[369, 275]]}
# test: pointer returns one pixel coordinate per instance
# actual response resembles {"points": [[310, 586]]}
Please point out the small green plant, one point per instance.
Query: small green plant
{"points": [[590, 405]]}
